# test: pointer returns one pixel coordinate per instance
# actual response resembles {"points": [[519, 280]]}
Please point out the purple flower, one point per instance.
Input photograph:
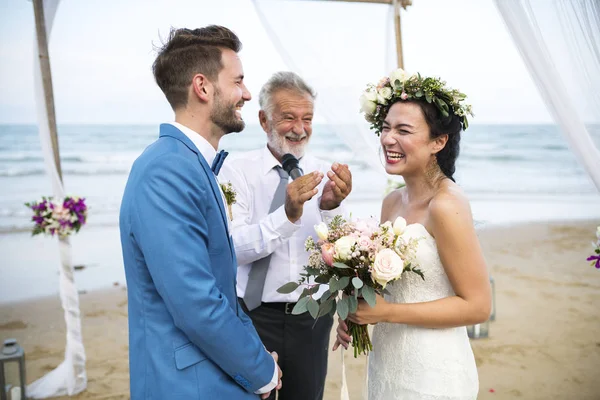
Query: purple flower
{"points": [[597, 258]]}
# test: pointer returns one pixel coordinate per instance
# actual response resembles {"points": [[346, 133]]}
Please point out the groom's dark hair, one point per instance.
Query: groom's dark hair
{"points": [[188, 52]]}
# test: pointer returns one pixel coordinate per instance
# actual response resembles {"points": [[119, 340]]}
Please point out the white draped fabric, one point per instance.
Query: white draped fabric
{"points": [[559, 41], [327, 65], [69, 378]]}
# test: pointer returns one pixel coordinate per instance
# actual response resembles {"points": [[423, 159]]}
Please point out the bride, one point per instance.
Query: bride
{"points": [[420, 346]]}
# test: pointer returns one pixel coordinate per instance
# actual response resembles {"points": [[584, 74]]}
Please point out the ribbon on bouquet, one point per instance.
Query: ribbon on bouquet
{"points": [[344, 394]]}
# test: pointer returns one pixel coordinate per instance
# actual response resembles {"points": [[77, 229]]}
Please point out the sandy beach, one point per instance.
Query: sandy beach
{"points": [[544, 344]]}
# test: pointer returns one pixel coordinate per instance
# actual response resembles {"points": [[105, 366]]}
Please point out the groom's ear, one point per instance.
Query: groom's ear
{"points": [[201, 87], [439, 143]]}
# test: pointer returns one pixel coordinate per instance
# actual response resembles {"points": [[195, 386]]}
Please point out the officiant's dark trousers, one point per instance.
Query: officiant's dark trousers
{"points": [[302, 349]]}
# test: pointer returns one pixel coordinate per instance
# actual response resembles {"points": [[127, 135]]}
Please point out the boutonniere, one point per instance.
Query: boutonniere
{"points": [[230, 194]]}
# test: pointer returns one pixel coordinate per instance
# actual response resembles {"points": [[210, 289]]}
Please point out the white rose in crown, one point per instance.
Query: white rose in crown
{"points": [[398, 74], [371, 93], [399, 226], [386, 92], [367, 106], [322, 231], [343, 247], [388, 266]]}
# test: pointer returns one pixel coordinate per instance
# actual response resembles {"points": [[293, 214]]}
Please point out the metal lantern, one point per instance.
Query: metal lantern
{"points": [[493, 284], [12, 352], [479, 331]]}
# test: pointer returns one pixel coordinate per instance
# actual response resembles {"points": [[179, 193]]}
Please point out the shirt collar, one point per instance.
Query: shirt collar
{"points": [[204, 147], [269, 161]]}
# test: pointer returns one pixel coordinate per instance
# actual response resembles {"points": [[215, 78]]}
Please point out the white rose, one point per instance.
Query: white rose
{"points": [[371, 94], [387, 267], [386, 92], [398, 74], [343, 247], [381, 99], [399, 225], [322, 231], [366, 105]]}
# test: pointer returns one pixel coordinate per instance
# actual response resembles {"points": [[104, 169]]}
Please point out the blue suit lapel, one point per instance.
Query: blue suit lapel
{"points": [[170, 130]]}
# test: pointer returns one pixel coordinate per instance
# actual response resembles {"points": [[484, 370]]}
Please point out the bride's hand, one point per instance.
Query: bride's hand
{"points": [[342, 336], [365, 314]]}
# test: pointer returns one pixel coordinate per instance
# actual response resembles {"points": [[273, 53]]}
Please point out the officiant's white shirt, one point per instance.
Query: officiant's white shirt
{"points": [[256, 233], [209, 153]]}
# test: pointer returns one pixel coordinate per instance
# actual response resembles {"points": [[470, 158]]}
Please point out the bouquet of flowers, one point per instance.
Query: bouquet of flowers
{"points": [[595, 258], [61, 218], [358, 259]]}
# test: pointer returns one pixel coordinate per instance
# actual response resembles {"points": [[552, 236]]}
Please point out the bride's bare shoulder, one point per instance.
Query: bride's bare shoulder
{"points": [[450, 200]]}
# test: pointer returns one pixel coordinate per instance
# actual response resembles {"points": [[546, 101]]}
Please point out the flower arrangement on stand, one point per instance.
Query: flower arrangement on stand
{"points": [[595, 258], [61, 218], [357, 260]]}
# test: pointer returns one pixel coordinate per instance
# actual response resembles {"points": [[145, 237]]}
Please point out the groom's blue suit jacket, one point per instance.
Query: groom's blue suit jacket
{"points": [[188, 338]]}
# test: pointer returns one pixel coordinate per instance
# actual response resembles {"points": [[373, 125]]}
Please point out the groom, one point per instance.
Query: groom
{"points": [[188, 337]]}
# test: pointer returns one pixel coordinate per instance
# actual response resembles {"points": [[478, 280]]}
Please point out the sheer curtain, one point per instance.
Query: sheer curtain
{"points": [[69, 378], [559, 40], [321, 57]]}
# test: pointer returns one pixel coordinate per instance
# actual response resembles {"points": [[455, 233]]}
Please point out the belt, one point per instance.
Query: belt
{"points": [[285, 307]]}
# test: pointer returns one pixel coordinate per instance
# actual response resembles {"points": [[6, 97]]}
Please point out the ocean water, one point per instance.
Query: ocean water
{"points": [[510, 172]]}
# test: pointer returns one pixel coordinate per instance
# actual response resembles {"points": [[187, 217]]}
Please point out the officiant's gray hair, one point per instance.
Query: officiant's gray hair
{"points": [[282, 80]]}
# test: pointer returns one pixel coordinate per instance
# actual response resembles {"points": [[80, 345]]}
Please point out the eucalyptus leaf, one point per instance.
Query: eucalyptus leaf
{"points": [[333, 308], [322, 279], [352, 304], [313, 307], [357, 282], [340, 265], [368, 294], [325, 307], [343, 282], [301, 306], [419, 93], [288, 288], [428, 98], [342, 308], [325, 295], [312, 271], [333, 284]]}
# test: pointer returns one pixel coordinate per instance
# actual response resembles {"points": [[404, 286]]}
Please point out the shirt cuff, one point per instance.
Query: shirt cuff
{"points": [[282, 225], [328, 215], [271, 385]]}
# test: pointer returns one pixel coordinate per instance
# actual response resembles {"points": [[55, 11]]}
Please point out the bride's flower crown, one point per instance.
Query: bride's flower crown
{"points": [[376, 100]]}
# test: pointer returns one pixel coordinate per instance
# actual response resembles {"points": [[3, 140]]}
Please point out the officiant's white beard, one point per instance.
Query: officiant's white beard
{"points": [[279, 145]]}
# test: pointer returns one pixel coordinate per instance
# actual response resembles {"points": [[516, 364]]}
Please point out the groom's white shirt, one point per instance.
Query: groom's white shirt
{"points": [[209, 153]]}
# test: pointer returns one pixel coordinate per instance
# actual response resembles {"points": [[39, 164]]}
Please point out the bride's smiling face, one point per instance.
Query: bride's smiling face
{"points": [[405, 139]]}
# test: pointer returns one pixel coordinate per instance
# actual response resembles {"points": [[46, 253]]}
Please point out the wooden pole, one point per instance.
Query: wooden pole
{"points": [[40, 27], [398, 30]]}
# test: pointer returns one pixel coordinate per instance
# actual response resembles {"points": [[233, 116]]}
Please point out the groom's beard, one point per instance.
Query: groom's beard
{"points": [[223, 115], [280, 145]]}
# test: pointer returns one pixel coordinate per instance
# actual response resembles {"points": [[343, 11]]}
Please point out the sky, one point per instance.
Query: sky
{"points": [[102, 50]]}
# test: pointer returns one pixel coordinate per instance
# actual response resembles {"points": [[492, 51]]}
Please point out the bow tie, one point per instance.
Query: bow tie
{"points": [[218, 161]]}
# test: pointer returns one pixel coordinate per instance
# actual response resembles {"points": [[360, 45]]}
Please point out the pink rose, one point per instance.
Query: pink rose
{"points": [[364, 242], [327, 252], [404, 96], [388, 266]]}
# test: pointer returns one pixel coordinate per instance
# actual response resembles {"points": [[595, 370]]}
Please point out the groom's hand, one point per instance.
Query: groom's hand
{"points": [[280, 374], [338, 187], [299, 191]]}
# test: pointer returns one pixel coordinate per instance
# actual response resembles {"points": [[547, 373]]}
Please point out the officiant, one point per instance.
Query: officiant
{"points": [[272, 217]]}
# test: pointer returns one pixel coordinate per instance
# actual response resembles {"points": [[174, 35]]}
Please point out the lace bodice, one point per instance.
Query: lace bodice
{"points": [[415, 363]]}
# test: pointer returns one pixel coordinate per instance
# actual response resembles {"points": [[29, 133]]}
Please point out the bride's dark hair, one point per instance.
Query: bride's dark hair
{"points": [[438, 126]]}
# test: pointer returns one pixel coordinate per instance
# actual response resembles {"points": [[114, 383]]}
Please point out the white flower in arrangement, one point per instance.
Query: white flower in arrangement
{"points": [[367, 106], [386, 92], [398, 74], [371, 93], [322, 231], [343, 247], [399, 226], [387, 267], [381, 100]]}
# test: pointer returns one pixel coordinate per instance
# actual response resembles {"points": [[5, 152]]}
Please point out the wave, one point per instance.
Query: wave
{"points": [[71, 158], [36, 171]]}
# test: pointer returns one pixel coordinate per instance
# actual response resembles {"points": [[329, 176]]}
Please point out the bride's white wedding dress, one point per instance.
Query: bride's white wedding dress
{"points": [[415, 363]]}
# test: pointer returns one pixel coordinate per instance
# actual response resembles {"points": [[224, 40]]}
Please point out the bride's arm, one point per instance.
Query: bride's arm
{"points": [[452, 226]]}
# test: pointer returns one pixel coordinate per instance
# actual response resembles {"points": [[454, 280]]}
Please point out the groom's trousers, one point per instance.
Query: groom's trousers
{"points": [[302, 349]]}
